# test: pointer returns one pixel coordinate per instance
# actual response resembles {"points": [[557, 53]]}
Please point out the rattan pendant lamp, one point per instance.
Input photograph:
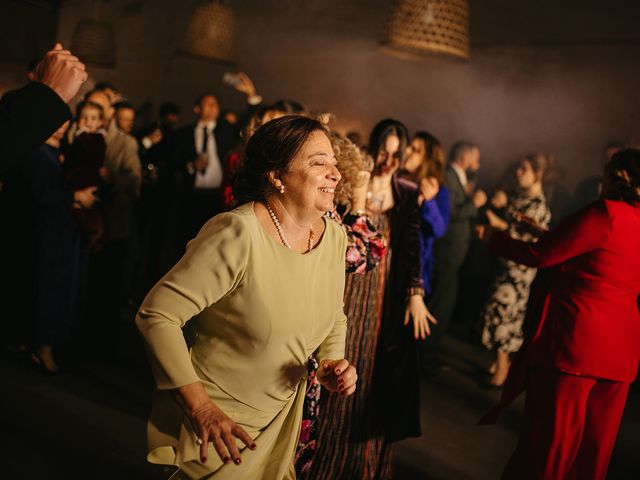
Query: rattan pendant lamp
{"points": [[418, 27], [93, 42], [210, 32]]}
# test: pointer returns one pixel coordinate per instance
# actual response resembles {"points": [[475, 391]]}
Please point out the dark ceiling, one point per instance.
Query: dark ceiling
{"points": [[554, 22]]}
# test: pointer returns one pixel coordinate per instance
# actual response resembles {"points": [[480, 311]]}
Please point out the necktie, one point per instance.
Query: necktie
{"points": [[205, 140]]}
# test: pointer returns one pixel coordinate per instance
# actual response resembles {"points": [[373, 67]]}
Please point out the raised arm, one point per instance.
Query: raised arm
{"points": [[578, 234]]}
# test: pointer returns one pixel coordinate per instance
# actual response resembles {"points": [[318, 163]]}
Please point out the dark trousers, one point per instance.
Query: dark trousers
{"points": [[107, 294], [570, 427], [442, 302]]}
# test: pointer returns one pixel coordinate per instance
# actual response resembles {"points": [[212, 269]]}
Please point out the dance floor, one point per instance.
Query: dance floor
{"points": [[89, 422]]}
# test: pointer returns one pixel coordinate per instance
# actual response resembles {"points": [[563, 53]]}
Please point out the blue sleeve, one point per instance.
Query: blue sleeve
{"points": [[436, 214]]}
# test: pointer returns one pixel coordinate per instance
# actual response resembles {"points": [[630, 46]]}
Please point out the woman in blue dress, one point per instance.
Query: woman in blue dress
{"points": [[425, 166]]}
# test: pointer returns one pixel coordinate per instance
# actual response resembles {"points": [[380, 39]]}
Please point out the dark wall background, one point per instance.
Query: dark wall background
{"points": [[559, 77]]}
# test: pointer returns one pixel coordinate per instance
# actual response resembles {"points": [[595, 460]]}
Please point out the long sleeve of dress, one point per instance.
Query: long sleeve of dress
{"points": [[410, 249], [212, 266], [576, 235], [436, 214], [333, 347], [365, 244]]}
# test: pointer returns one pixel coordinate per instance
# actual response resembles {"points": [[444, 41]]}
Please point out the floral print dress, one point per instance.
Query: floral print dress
{"points": [[505, 311]]}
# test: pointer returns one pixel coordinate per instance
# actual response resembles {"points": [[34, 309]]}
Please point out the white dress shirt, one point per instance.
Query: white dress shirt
{"points": [[212, 176]]}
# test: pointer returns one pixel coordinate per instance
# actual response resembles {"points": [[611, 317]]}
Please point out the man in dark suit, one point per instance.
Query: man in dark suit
{"points": [[451, 249], [200, 151], [155, 149], [30, 115]]}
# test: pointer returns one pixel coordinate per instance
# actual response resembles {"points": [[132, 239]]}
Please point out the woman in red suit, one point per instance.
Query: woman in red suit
{"points": [[584, 347]]}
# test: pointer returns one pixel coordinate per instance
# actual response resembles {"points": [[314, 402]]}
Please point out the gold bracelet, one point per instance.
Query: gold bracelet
{"points": [[415, 291]]}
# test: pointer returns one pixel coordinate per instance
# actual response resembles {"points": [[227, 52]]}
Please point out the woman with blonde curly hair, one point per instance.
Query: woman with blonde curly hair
{"points": [[355, 436], [425, 166], [365, 249]]}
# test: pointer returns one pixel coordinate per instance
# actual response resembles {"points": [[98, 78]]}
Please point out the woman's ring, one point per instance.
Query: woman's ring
{"points": [[199, 441]]}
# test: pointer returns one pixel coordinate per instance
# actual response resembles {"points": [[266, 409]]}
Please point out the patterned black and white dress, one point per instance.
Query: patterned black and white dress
{"points": [[505, 311]]}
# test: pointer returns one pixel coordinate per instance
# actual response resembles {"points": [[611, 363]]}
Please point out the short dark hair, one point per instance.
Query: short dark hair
{"points": [[169, 108], [384, 129], [202, 96], [86, 104], [102, 86], [623, 174], [460, 148], [96, 90], [123, 106], [271, 149], [290, 107]]}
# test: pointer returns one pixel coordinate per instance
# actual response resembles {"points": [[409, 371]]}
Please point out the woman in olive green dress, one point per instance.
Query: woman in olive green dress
{"points": [[263, 286]]}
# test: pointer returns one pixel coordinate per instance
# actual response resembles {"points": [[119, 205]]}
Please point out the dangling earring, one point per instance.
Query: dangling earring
{"points": [[282, 189]]}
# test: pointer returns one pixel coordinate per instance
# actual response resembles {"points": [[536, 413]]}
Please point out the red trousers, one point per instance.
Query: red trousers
{"points": [[570, 427]]}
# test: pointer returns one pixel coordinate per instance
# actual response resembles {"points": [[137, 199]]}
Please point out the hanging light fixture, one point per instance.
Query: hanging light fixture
{"points": [[416, 27], [210, 32], [93, 42]]}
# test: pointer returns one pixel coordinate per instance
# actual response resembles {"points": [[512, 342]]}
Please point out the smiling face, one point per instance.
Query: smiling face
{"points": [[102, 99], [525, 175], [312, 176], [90, 119], [389, 155], [207, 110], [415, 155]]}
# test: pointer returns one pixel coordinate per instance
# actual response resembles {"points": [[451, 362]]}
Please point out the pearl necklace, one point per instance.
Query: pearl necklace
{"points": [[283, 239]]}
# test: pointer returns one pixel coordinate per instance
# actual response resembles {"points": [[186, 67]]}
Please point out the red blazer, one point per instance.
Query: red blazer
{"points": [[589, 322]]}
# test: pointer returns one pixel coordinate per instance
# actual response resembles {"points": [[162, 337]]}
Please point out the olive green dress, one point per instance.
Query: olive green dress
{"points": [[259, 311]]}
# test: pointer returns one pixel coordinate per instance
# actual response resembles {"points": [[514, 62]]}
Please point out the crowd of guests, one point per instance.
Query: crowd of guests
{"points": [[307, 260]]}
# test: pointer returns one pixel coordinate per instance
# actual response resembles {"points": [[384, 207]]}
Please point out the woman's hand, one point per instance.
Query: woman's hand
{"points": [[418, 311], [245, 85], [429, 188], [211, 424], [338, 376], [495, 221], [485, 232], [530, 224], [85, 198]]}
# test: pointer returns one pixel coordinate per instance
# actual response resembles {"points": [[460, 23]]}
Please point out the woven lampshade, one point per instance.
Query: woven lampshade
{"points": [[428, 26], [93, 42], [210, 32]]}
